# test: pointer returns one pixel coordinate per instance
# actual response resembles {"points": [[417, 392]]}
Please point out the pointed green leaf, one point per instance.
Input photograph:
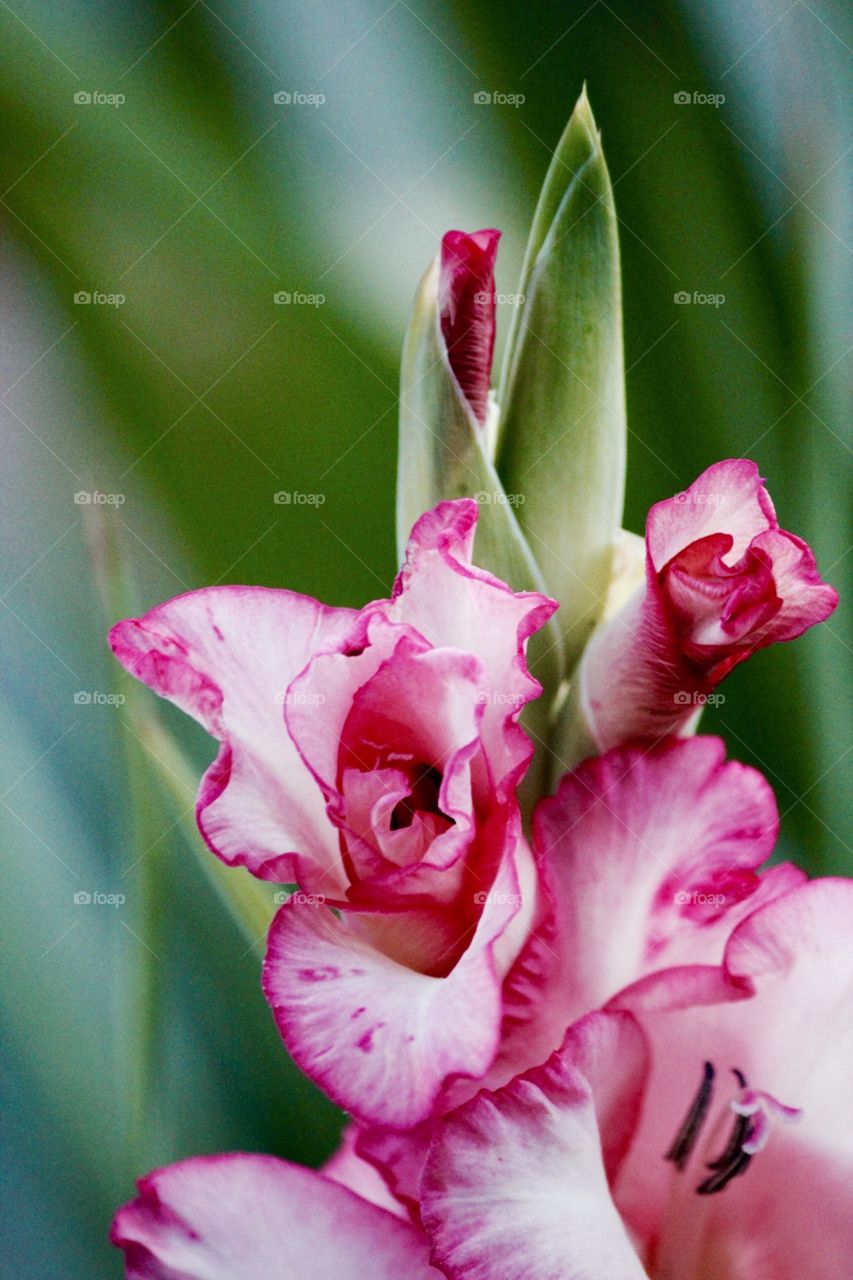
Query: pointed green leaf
{"points": [[561, 435]]}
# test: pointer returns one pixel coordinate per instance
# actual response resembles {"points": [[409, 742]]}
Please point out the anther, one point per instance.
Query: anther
{"points": [[685, 1139]]}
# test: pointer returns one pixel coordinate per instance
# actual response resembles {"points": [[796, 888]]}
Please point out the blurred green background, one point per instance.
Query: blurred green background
{"points": [[136, 1034]]}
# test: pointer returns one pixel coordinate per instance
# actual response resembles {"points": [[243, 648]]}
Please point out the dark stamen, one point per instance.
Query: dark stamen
{"points": [[685, 1139], [738, 1135], [723, 1177], [732, 1160]]}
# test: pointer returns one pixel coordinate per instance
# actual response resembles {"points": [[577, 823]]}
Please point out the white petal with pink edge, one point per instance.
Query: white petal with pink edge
{"points": [[252, 1217], [226, 655], [515, 1184]]}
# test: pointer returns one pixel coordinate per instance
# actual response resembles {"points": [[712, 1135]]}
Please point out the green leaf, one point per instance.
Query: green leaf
{"points": [[250, 902], [561, 434]]}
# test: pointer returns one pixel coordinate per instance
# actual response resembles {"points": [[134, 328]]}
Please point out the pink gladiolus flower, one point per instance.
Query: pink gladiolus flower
{"points": [[649, 858], [722, 580], [467, 311], [670, 1139], [372, 758]]}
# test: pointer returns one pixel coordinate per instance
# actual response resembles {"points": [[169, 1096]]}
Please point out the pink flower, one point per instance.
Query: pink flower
{"points": [[251, 1217], [373, 758], [648, 858], [722, 580], [671, 1139]]}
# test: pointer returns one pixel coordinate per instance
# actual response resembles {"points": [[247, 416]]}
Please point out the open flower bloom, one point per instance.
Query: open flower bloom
{"points": [[372, 758], [672, 1139], [648, 859], [251, 1217], [722, 580]]}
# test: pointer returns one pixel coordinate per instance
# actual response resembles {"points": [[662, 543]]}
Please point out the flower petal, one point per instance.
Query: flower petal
{"points": [[645, 853], [252, 1217], [515, 1184], [452, 603], [226, 656], [379, 1036], [792, 1038], [729, 496]]}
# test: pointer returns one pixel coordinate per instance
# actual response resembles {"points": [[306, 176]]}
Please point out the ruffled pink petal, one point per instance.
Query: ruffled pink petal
{"points": [[226, 655], [645, 852], [251, 1217], [515, 1184], [467, 311], [729, 497], [452, 603], [806, 598], [379, 1036]]}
